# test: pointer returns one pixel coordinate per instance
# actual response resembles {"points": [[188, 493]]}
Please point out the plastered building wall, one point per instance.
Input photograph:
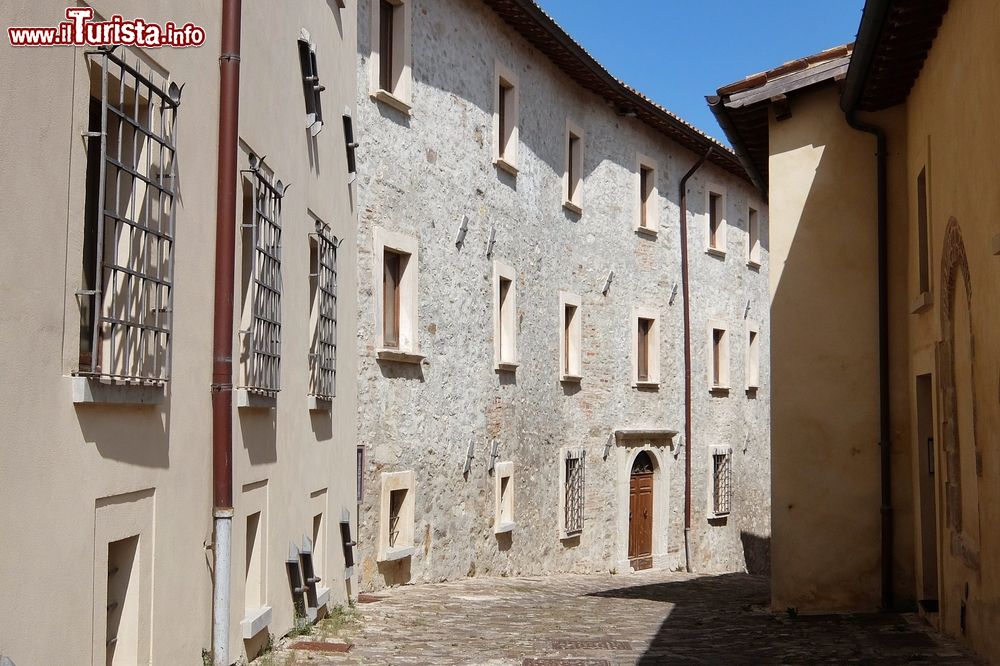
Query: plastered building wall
{"points": [[825, 418], [75, 477], [422, 173], [956, 147]]}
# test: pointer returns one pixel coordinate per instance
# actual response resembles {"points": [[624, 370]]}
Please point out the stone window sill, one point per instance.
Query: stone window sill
{"points": [[649, 232], [921, 303], [504, 528], [91, 390], [389, 99], [394, 554], [506, 366], [571, 379], [504, 165], [719, 390], [398, 355], [647, 386], [247, 399], [753, 263], [255, 621], [565, 536], [320, 404], [572, 207], [715, 252]]}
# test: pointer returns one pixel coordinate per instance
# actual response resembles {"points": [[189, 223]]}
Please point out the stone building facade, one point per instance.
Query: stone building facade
{"points": [[495, 439]]}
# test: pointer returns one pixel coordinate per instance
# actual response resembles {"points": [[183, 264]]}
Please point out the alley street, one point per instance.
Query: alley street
{"points": [[645, 618]]}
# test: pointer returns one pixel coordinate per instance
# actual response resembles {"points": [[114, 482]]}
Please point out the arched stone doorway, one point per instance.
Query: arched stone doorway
{"points": [[962, 459], [640, 519]]}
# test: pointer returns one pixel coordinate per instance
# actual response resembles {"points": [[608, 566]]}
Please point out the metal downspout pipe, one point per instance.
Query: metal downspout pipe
{"points": [[685, 286], [222, 345], [885, 443]]}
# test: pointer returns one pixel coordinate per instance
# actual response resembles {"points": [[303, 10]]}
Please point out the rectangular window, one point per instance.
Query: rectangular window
{"points": [[718, 355], [753, 356], [572, 493], [311, 87], [505, 119], [350, 145], [396, 516], [392, 275], [390, 57], [323, 314], [254, 572], [395, 274], [570, 340], [360, 487], [123, 603], [715, 219], [753, 237], [319, 546], [503, 519], [126, 291], [647, 217], [261, 278], [645, 348], [386, 44], [396, 499], [573, 178], [504, 317], [645, 190], [722, 481], [923, 234]]}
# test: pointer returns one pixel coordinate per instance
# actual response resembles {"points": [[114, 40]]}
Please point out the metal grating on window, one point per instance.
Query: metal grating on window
{"points": [[323, 356], [722, 482], [574, 492], [262, 339], [126, 299]]}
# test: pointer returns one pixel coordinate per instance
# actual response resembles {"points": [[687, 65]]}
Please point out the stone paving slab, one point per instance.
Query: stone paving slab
{"points": [[644, 618]]}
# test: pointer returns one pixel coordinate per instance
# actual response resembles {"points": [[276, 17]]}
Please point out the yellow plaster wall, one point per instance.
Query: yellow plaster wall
{"points": [[825, 427], [952, 129]]}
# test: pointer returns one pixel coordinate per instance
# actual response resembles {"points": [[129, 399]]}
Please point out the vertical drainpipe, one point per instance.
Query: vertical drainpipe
{"points": [[687, 357], [885, 444], [222, 346]]}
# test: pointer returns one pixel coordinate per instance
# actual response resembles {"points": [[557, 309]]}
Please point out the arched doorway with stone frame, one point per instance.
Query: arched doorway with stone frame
{"points": [[646, 453], [958, 490]]}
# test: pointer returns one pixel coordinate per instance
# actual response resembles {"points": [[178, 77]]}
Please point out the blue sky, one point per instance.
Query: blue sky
{"points": [[678, 51]]}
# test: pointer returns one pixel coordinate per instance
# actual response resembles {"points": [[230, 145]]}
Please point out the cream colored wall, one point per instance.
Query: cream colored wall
{"points": [[951, 128], [824, 364], [60, 461], [296, 451]]}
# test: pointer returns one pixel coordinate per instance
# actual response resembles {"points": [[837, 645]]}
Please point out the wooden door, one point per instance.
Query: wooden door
{"points": [[640, 521]]}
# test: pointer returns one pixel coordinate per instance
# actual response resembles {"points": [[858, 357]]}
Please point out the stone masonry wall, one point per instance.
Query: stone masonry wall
{"points": [[419, 175]]}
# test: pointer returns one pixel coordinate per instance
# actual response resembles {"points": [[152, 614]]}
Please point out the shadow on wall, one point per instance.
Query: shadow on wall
{"points": [[259, 430], [148, 441], [756, 553], [395, 573]]}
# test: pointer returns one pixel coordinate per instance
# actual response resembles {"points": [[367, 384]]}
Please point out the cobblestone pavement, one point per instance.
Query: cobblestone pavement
{"points": [[593, 620]]}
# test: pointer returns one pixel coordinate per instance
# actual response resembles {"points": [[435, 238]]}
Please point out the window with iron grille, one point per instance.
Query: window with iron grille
{"points": [[261, 332], [126, 296], [574, 489], [396, 498], [722, 481], [323, 283]]}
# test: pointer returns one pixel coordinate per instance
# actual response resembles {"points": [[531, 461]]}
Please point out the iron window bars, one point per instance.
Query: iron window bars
{"points": [[722, 482], [126, 300], [574, 492], [262, 338], [323, 355]]}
